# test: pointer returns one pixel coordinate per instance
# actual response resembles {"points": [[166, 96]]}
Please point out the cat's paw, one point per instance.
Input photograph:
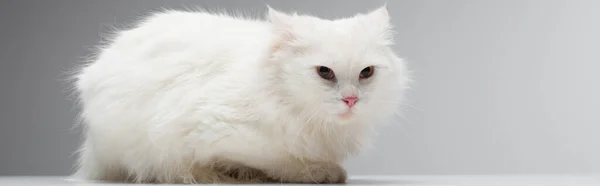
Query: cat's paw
{"points": [[320, 173], [247, 175]]}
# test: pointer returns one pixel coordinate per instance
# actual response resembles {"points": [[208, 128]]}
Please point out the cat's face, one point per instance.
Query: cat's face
{"points": [[339, 71]]}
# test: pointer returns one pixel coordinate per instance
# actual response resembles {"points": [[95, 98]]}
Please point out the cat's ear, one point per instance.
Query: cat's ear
{"points": [[380, 16], [379, 22], [278, 18], [281, 23]]}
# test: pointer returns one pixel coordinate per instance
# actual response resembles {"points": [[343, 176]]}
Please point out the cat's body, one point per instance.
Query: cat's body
{"points": [[193, 97]]}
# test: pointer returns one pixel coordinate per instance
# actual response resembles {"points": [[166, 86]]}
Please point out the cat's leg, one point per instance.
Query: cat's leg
{"points": [[257, 152], [295, 171], [201, 175], [208, 171], [241, 173], [218, 174], [288, 169], [184, 173]]}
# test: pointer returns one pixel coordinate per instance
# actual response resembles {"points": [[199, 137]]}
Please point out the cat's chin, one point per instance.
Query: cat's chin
{"points": [[346, 116]]}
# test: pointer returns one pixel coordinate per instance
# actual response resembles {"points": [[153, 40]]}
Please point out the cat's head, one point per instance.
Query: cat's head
{"points": [[339, 70]]}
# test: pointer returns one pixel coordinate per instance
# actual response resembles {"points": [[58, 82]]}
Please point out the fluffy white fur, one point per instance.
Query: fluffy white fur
{"points": [[194, 97]]}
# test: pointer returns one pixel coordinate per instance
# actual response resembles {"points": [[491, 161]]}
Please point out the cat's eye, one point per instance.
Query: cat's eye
{"points": [[367, 72], [325, 73]]}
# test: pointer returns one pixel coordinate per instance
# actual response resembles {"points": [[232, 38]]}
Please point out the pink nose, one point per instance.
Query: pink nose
{"points": [[350, 101]]}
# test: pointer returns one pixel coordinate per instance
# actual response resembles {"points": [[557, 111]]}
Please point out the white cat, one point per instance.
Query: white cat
{"points": [[194, 97]]}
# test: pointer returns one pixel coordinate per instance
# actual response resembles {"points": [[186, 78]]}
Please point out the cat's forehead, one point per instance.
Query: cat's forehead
{"points": [[346, 60], [343, 45], [346, 52]]}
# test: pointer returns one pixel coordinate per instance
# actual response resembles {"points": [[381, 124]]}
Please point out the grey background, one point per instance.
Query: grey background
{"points": [[503, 86]]}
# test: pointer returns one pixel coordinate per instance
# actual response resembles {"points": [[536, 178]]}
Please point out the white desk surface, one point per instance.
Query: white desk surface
{"points": [[459, 180]]}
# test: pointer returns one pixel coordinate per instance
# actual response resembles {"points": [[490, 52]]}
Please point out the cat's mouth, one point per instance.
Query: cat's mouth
{"points": [[346, 115]]}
